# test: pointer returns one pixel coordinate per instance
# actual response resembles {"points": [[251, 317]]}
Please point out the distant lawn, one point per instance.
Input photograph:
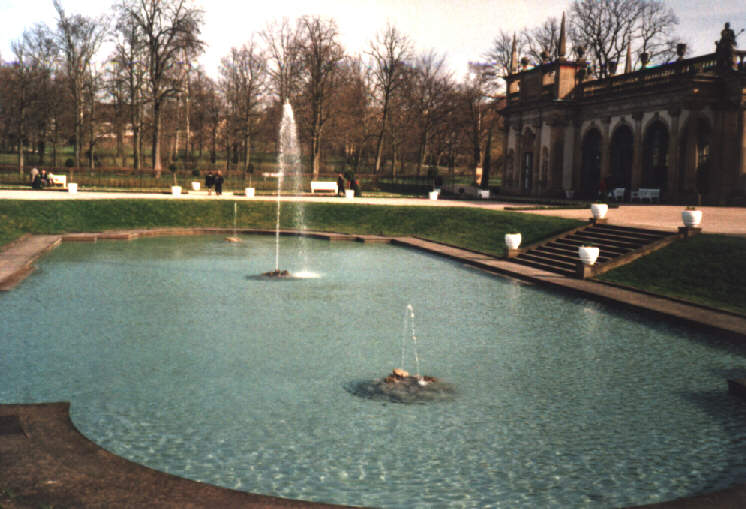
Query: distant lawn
{"points": [[707, 269], [471, 228]]}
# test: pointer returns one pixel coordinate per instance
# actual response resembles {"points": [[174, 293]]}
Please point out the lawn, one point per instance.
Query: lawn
{"points": [[706, 269], [476, 229]]}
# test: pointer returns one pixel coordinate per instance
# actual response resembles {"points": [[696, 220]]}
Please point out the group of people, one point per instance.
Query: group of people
{"points": [[214, 181], [40, 179], [353, 184]]}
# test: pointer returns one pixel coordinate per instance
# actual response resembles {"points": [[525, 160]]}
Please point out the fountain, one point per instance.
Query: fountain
{"points": [[401, 387], [234, 237], [288, 161]]}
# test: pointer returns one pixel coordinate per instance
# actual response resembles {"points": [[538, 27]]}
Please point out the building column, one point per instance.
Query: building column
{"points": [[741, 133], [535, 191], [506, 150], [605, 149], [568, 153], [637, 156], [674, 167], [577, 157]]}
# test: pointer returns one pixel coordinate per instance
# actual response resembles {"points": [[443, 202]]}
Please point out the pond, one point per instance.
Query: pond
{"points": [[176, 355]]}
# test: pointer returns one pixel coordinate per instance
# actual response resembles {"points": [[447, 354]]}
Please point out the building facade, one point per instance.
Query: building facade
{"points": [[679, 128]]}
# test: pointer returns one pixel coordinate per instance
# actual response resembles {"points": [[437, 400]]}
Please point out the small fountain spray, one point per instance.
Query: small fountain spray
{"points": [[234, 238], [409, 331], [399, 386]]}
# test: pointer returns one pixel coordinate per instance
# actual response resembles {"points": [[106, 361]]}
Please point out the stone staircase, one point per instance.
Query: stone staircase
{"points": [[617, 245]]}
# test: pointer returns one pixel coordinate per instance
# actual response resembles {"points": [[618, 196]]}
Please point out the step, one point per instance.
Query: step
{"points": [[630, 229], [556, 262], [609, 250], [544, 266], [556, 254], [601, 241], [621, 236]]}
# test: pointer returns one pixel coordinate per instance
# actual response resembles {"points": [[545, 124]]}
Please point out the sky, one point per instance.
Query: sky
{"points": [[462, 30]]}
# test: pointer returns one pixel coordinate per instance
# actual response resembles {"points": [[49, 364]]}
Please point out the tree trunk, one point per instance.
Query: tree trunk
{"points": [[379, 152], [214, 147], [136, 144], [487, 162], [76, 164], [20, 156], [157, 139], [316, 154], [54, 149], [247, 153]]}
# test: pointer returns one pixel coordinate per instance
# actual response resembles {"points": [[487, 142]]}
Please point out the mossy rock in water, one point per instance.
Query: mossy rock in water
{"points": [[278, 273], [400, 387]]}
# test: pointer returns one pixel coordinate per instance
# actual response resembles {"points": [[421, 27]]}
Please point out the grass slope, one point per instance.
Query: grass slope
{"points": [[706, 269], [477, 229]]}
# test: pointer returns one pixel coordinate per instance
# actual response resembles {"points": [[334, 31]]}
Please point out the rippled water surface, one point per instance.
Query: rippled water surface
{"points": [[175, 355]]}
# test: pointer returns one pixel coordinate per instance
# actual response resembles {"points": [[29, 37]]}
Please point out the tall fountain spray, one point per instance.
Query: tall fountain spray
{"points": [[288, 165]]}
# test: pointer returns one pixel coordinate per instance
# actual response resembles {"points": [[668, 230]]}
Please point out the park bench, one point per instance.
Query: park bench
{"points": [[618, 193], [58, 180], [324, 186], [646, 193]]}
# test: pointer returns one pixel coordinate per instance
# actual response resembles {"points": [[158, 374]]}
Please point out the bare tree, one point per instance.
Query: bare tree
{"points": [[92, 87], [130, 60], [284, 62], [353, 124], [19, 95], [78, 39], [320, 54], [428, 95], [390, 52], [541, 42], [169, 29], [655, 32], [606, 27], [243, 80]]}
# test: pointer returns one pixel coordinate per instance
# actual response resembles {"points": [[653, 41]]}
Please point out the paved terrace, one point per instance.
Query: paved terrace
{"points": [[44, 460]]}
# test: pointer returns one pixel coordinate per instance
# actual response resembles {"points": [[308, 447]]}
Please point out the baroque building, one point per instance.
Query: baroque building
{"points": [[678, 129]]}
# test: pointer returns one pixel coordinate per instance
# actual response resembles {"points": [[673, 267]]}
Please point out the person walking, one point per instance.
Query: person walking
{"points": [[219, 183], [209, 182], [340, 185]]}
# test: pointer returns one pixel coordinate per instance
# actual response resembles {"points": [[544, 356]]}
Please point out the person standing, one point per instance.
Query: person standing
{"points": [[209, 182], [340, 185], [219, 183]]}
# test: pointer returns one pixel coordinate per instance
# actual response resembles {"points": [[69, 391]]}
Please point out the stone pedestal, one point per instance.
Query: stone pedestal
{"points": [[686, 232], [511, 253], [583, 271], [604, 220]]}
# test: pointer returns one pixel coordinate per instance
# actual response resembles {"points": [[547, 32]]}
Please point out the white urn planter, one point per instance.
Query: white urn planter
{"points": [[433, 195], [195, 186], [249, 192], [72, 187], [512, 240], [599, 210], [176, 190], [691, 218], [588, 255], [349, 193]]}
